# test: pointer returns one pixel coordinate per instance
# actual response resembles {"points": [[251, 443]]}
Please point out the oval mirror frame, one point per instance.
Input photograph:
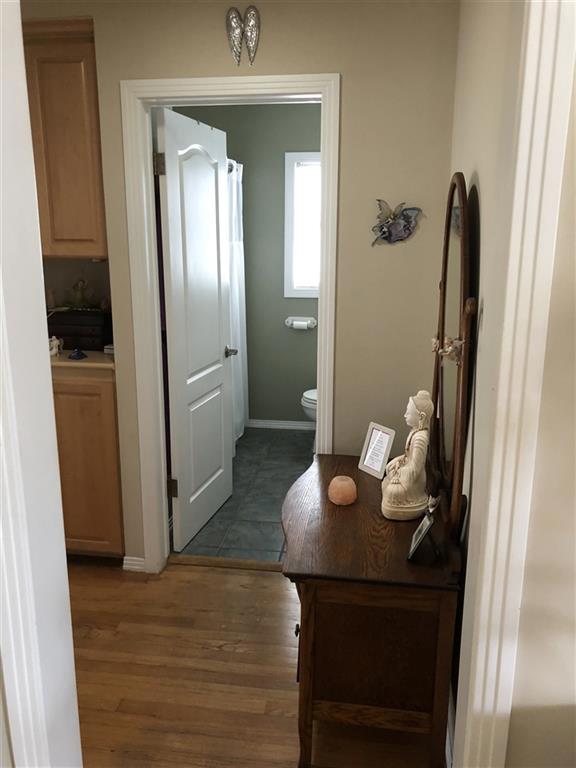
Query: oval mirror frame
{"points": [[447, 467]]}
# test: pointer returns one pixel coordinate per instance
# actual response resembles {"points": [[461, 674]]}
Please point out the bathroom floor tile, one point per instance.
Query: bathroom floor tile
{"points": [[271, 488], [213, 532], [265, 510], [274, 485], [229, 510], [249, 534], [198, 549], [286, 464], [267, 463]]}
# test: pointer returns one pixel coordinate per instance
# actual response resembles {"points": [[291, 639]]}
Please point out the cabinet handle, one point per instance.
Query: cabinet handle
{"points": [[297, 630]]}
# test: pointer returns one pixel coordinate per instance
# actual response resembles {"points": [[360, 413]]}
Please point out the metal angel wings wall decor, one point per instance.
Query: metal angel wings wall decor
{"points": [[395, 225], [240, 29]]}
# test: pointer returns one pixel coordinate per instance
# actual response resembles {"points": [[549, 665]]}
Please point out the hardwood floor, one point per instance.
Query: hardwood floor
{"points": [[196, 668]]}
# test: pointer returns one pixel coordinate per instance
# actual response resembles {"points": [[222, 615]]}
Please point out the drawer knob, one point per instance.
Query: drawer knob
{"points": [[297, 630]]}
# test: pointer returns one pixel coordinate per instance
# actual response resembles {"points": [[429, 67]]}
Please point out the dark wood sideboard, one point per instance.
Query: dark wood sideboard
{"points": [[376, 630]]}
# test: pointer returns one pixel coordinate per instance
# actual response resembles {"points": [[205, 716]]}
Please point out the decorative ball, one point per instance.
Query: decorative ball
{"points": [[342, 490]]}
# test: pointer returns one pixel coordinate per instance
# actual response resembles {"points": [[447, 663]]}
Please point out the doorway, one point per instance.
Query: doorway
{"points": [[267, 386], [138, 98]]}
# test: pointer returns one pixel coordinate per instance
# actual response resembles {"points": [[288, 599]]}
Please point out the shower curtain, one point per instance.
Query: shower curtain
{"points": [[237, 301]]}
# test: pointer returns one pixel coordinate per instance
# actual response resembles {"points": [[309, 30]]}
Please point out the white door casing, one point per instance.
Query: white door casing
{"points": [[37, 679], [497, 549], [138, 97], [193, 200]]}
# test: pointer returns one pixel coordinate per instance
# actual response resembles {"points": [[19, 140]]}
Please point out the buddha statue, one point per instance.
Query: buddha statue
{"points": [[404, 494]]}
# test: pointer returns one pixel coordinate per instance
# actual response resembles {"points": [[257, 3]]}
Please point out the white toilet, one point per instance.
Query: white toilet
{"points": [[309, 403]]}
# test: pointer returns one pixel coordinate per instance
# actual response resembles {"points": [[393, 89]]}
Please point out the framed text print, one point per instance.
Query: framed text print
{"points": [[376, 450]]}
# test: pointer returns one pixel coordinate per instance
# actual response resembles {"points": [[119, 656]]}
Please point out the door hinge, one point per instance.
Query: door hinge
{"points": [[172, 488], [159, 163]]}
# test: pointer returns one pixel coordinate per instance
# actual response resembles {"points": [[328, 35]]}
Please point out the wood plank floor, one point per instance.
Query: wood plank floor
{"points": [[196, 668]]}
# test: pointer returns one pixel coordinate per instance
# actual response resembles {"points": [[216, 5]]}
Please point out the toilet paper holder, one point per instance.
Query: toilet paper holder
{"points": [[301, 323]]}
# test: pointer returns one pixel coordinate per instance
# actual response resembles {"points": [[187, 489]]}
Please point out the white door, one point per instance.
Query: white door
{"points": [[193, 199]]}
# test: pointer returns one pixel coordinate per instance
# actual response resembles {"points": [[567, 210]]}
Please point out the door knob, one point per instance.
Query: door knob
{"points": [[229, 351]]}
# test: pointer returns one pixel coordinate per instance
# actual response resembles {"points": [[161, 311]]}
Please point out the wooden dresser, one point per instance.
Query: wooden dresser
{"points": [[376, 631]]}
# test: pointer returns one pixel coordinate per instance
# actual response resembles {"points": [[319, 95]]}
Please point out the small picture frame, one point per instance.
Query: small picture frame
{"points": [[420, 534], [376, 450], [423, 529]]}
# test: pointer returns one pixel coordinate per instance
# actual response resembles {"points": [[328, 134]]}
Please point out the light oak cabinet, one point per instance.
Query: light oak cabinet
{"points": [[85, 406], [63, 99]]}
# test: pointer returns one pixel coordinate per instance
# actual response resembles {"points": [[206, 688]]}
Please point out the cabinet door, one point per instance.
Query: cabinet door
{"points": [[63, 97], [89, 473]]}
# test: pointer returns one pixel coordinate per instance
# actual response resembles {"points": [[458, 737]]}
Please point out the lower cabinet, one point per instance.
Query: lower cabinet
{"points": [[86, 424], [376, 656]]}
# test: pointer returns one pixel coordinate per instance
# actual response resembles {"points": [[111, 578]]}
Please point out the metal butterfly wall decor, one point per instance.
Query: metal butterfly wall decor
{"points": [[395, 225], [240, 29]]}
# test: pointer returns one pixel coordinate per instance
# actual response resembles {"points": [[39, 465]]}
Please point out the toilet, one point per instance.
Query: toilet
{"points": [[309, 403]]}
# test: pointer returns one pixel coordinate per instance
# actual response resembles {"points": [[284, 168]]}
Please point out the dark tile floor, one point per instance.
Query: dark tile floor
{"points": [[248, 525]]}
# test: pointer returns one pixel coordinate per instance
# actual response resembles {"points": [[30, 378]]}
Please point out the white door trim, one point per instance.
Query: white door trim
{"points": [[496, 564], [36, 651], [21, 650], [138, 97]]}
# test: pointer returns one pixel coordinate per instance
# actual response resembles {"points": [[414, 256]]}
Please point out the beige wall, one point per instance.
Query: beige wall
{"points": [[397, 61], [543, 724], [483, 146]]}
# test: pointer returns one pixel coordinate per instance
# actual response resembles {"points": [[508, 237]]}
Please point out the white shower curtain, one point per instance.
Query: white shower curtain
{"points": [[237, 301]]}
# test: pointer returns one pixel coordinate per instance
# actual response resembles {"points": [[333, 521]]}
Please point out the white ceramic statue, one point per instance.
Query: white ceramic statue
{"points": [[404, 494]]}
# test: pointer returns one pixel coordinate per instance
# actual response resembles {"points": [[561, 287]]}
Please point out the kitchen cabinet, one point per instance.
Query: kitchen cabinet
{"points": [[86, 425], [63, 100]]}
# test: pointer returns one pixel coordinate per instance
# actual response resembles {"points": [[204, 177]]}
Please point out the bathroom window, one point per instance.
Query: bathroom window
{"points": [[302, 213]]}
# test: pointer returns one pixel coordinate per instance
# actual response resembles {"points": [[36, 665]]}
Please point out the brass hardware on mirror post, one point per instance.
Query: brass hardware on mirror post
{"points": [[452, 350]]}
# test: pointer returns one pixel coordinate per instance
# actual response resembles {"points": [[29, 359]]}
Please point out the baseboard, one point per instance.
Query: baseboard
{"points": [[133, 564], [267, 424], [450, 730]]}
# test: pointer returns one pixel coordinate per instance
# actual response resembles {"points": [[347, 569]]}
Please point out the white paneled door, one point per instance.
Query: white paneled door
{"points": [[195, 253]]}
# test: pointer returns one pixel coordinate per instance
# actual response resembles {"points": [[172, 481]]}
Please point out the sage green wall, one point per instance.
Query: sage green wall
{"points": [[281, 361]]}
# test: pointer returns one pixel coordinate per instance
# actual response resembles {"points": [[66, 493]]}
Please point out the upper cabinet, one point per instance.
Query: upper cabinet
{"points": [[63, 97]]}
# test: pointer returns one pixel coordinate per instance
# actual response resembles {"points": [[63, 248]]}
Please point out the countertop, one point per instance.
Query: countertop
{"points": [[92, 360]]}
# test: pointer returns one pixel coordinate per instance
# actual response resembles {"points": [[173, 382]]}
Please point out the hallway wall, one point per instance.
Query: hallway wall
{"points": [[397, 64], [485, 143], [544, 705]]}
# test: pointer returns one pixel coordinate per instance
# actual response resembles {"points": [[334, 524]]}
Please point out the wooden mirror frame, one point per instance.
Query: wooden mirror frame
{"points": [[445, 478]]}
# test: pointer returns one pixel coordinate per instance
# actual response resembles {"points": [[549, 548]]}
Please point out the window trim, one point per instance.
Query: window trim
{"points": [[290, 161]]}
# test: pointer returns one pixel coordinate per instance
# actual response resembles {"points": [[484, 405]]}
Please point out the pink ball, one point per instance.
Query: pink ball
{"points": [[342, 490]]}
